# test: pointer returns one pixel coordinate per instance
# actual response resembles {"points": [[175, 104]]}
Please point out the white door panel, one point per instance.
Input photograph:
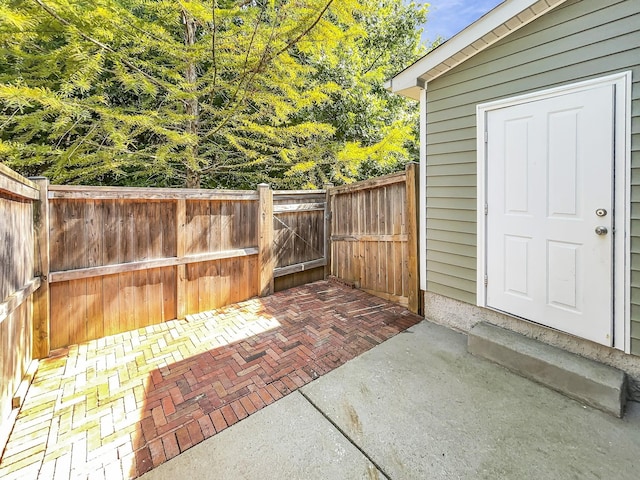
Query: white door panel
{"points": [[549, 168]]}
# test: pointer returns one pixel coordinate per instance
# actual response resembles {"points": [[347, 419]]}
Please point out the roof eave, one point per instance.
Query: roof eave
{"points": [[503, 20], [411, 91]]}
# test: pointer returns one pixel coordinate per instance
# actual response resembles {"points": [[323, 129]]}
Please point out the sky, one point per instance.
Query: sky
{"points": [[448, 17]]}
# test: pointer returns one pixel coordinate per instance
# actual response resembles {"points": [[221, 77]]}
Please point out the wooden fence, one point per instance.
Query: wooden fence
{"points": [[115, 259], [374, 227], [125, 258], [20, 300], [79, 263]]}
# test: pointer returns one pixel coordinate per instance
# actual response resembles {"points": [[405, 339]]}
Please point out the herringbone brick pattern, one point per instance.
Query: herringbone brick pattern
{"points": [[119, 406]]}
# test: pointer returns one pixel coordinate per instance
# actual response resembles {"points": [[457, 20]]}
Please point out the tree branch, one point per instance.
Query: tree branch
{"points": [[98, 43], [304, 32]]}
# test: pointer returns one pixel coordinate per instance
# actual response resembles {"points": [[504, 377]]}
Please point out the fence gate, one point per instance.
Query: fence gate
{"points": [[299, 244]]}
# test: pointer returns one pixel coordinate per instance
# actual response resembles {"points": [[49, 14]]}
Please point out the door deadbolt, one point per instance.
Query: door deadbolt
{"points": [[600, 230], [601, 212]]}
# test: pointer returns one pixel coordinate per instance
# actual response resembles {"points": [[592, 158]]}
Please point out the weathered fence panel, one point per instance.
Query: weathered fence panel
{"points": [[373, 236], [125, 258], [17, 286]]}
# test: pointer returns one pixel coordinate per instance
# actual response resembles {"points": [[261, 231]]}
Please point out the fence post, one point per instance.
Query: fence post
{"points": [[181, 270], [327, 229], [41, 302], [412, 236], [265, 240]]}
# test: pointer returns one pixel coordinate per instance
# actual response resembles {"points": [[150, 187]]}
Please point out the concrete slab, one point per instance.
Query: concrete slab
{"points": [[422, 407], [286, 440], [585, 380]]}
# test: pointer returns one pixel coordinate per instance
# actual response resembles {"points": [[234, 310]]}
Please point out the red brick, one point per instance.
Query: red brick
{"points": [[296, 379], [157, 452], [206, 426], [248, 405], [170, 445], [148, 428], [218, 420], [290, 384], [176, 395], [256, 400], [274, 392], [158, 416], [304, 376], [264, 395], [143, 461], [137, 438], [156, 377], [239, 409], [168, 406], [194, 432], [184, 439], [229, 415]]}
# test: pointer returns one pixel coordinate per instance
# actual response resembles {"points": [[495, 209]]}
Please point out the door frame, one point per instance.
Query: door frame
{"points": [[621, 185]]}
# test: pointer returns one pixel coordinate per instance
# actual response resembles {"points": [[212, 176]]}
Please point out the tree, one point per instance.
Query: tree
{"points": [[374, 129], [184, 93]]}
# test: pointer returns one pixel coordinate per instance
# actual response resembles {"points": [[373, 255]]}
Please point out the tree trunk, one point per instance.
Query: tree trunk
{"points": [[192, 105]]}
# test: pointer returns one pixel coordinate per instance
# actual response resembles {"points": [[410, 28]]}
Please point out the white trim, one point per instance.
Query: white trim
{"points": [[618, 79], [422, 201], [622, 187], [481, 149], [622, 333]]}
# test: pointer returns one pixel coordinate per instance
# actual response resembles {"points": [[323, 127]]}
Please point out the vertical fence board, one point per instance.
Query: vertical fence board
{"points": [[215, 236], [168, 219], [110, 304], [328, 212], [59, 312], [111, 233], [181, 249], [141, 298], [155, 296], [95, 318], [169, 283], [127, 302]]}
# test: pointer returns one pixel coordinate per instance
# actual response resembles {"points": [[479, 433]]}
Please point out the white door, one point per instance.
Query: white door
{"points": [[549, 215]]}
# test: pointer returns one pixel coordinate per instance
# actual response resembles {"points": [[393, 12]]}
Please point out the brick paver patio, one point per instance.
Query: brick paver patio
{"points": [[119, 406]]}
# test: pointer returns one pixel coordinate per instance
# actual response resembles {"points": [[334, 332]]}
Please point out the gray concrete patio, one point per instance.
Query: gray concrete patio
{"points": [[416, 407]]}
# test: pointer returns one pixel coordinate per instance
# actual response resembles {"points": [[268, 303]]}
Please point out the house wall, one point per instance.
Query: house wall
{"points": [[577, 41]]}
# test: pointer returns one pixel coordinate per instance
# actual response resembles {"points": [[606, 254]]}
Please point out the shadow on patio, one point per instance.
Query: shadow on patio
{"points": [[119, 406]]}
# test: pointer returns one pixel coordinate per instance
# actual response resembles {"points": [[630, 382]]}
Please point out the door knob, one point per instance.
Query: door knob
{"points": [[600, 230]]}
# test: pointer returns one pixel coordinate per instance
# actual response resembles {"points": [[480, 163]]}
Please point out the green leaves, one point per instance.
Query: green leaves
{"points": [[158, 92]]}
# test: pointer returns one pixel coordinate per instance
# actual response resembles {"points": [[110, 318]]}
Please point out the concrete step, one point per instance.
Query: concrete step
{"points": [[582, 379]]}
